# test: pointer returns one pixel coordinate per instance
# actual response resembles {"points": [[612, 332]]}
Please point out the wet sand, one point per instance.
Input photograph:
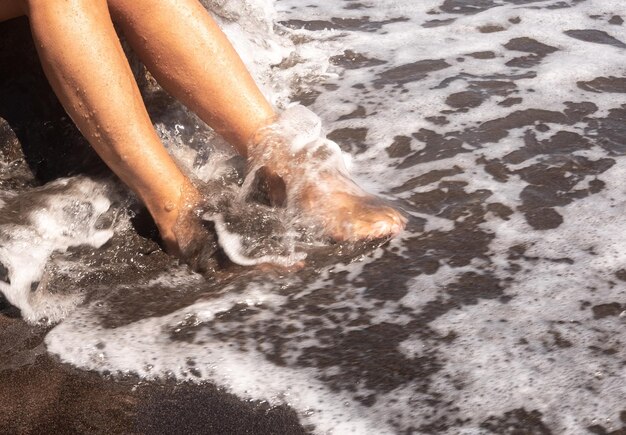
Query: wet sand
{"points": [[38, 394]]}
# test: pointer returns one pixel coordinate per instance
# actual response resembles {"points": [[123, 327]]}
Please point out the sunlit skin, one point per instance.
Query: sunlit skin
{"points": [[191, 58]]}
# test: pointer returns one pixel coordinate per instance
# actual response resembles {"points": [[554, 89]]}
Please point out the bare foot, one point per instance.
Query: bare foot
{"points": [[347, 215], [316, 179], [183, 232]]}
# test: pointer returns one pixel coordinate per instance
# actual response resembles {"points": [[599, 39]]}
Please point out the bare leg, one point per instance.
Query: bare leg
{"points": [[86, 66], [195, 63]]}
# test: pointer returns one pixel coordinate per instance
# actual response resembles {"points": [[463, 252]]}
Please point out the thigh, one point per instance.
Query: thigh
{"points": [[10, 9]]}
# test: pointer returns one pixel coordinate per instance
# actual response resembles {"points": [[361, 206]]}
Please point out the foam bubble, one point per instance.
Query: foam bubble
{"points": [[55, 217]]}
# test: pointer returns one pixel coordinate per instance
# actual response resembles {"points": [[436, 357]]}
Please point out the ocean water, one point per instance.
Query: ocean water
{"points": [[498, 126]]}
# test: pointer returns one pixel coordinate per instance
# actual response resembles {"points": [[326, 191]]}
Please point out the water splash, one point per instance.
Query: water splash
{"points": [[63, 214]]}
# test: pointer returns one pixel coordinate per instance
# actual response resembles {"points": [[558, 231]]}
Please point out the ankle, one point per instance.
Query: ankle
{"points": [[168, 210]]}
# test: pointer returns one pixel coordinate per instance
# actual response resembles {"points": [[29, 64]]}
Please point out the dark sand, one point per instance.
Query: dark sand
{"points": [[38, 394]]}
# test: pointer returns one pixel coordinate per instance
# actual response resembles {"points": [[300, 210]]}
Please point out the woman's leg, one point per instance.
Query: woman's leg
{"points": [[84, 62], [188, 54], [192, 59]]}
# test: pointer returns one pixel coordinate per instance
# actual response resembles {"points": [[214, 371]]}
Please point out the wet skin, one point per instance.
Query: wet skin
{"points": [[74, 36]]}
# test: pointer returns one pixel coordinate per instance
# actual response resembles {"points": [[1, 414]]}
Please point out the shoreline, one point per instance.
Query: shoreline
{"points": [[38, 394]]}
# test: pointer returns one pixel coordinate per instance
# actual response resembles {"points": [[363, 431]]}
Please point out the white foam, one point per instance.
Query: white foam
{"points": [[43, 221], [142, 348], [232, 245]]}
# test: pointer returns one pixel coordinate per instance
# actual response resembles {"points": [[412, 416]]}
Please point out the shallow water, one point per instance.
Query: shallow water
{"points": [[498, 126]]}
